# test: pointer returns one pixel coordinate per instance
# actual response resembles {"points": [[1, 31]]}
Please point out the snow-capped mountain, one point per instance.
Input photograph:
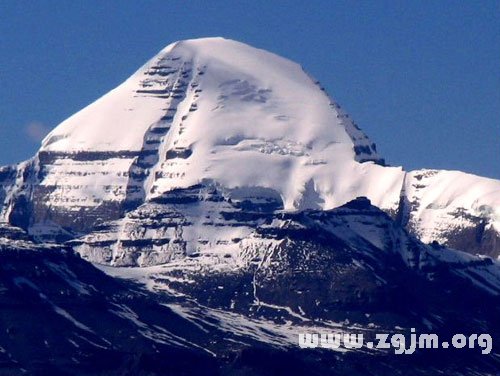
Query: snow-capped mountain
{"points": [[197, 110], [228, 204], [211, 126]]}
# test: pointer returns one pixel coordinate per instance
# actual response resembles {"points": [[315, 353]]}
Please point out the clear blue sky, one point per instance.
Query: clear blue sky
{"points": [[422, 78]]}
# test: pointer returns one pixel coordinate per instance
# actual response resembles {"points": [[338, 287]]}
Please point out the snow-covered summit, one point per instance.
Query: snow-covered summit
{"points": [[270, 96], [203, 107]]}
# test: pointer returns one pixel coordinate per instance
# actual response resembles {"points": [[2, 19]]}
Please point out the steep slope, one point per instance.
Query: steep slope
{"points": [[349, 270], [454, 208], [356, 236], [220, 113]]}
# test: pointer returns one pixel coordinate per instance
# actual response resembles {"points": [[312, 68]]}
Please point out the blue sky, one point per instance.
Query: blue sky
{"points": [[422, 78]]}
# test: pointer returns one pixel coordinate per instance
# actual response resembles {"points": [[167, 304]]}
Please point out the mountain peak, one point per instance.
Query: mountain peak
{"points": [[265, 85], [203, 107], [239, 120]]}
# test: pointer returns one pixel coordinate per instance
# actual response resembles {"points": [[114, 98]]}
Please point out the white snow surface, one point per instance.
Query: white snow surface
{"points": [[251, 119], [235, 69], [442, 195]]}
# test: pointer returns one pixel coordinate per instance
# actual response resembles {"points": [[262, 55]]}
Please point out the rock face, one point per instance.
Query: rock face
{"points": [[350, 270], [61, 316], [303, 255], [218, 113]]}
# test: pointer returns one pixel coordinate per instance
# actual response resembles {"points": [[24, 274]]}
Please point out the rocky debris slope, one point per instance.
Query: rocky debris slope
{"points": [[350, 270]]}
